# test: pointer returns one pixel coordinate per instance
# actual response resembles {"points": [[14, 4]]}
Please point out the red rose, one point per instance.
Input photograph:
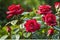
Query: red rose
{"points": [[50, 31], [31, 25], [57, 4], [50, 19], [14, 10], [44, 9]]}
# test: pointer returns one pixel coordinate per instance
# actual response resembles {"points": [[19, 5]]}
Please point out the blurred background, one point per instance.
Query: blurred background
{"points": [[28, 5]]}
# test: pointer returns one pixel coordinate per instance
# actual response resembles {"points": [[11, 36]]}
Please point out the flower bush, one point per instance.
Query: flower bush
{"points": [[36, 24]]}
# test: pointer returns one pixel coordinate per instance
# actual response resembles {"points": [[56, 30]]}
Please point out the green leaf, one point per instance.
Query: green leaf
{"points": [[26, 34], [57, 17], [8, 23], [56, 28], [42, 24], [21, 26], [16, 30], [14, 22], [4, 37], [15, 37], [59, 10], [56, 36], [35, 35], [37, 18], [24, 13], [20, 33], [39, 21]]}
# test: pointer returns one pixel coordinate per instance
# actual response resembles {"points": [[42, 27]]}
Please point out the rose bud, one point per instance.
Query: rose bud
{"points": [[57, 4], [8, 29], [50, 31]]}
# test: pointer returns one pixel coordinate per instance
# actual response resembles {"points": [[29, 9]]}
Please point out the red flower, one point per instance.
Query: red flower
{"points": [[8, 29], [57, 4], [44, 9], [50, 19], [32, 25], [14, 10], [50, 31]]}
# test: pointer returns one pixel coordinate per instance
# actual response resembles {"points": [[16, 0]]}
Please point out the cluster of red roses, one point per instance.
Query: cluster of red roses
{"points": [[14, 10], [48, 17], [31, 25]]}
